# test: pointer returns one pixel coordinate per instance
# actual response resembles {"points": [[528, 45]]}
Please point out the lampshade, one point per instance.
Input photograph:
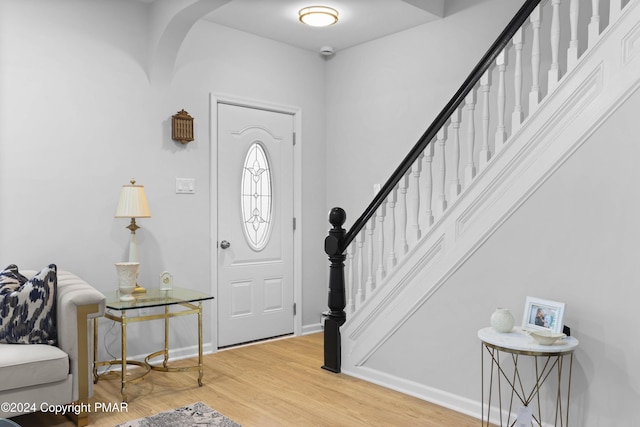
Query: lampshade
{"points": [[133, 202], [318, 16]]}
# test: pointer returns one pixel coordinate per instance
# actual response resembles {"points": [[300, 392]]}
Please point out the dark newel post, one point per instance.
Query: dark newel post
{"points": [[335, 317]]}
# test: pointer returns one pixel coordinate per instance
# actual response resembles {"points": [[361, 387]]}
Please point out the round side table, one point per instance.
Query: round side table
{"points": [[506, 371]]}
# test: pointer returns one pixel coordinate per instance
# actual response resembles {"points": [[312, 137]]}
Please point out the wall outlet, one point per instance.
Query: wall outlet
{"points": [[144, 312]]}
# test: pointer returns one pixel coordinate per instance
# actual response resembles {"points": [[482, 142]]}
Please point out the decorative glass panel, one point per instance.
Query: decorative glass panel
{"points": [[256, 197]]}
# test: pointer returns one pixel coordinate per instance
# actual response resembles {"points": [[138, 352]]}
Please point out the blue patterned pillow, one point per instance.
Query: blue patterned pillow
{"points": [[28, 314], [11, 279]]}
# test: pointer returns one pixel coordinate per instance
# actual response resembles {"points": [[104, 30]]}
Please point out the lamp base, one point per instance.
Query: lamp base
{"points": [[139, 289]]}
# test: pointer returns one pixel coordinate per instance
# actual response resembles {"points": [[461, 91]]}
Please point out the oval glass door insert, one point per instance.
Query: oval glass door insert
{"points": [[256, 187]]}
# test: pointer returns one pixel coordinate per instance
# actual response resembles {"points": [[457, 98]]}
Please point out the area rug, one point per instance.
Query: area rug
{"points": [[195, 415]]}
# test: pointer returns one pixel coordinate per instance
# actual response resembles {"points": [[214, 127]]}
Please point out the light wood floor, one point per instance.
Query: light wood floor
{"points": [[277, 383]]}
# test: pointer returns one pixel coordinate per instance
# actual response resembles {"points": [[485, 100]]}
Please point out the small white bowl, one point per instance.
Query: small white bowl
{"points": [[546, 337]]}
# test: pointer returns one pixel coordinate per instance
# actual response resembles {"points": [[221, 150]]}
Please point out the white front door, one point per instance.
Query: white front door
{"points": [[255, 224]]}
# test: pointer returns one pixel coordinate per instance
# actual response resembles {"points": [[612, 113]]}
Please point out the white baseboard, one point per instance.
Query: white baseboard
{"points": [[438, 397], [312, 329]]}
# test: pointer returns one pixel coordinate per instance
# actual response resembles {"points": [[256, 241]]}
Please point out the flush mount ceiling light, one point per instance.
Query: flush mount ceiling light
{"points": [[318, 16]]}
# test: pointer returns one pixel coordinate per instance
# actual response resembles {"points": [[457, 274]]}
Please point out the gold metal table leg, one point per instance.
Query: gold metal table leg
{"points": [[166, 336], [559, 394], [200, 368], [123, 373], [482, 384], [537, 390], [569, 386], [95, 350], [492, 353]]}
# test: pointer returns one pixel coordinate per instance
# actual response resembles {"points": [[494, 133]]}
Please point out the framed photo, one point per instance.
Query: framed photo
{"points": [[543, 315]]}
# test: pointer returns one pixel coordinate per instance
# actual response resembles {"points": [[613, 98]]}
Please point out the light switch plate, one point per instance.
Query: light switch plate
{"points": [[185, 186]]}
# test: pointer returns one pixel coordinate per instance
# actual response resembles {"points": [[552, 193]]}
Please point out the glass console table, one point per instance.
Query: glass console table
{"points": [[124, 312]]}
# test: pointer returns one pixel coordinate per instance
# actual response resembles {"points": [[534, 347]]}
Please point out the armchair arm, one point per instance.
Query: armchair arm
{"points": [[77, 303]]}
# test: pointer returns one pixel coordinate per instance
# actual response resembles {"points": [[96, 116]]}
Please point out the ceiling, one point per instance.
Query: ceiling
{"points": [[359, 20]]}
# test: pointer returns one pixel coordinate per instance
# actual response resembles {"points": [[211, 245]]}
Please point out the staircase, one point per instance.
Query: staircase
{"points": [[530, 103]]}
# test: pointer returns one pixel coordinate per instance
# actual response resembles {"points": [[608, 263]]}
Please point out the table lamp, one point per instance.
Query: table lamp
{"points": [[133, 204]]}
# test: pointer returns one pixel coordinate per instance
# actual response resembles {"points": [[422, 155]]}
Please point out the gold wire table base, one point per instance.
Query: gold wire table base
{"points": [[544, 365], [147, 366]]}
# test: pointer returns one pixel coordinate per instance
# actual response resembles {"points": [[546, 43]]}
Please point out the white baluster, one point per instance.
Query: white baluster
{"points": [[554, 70], [371, 284], [485, 153], [615, 9], [416, 169], [441, 206], [470, 170], [594, 24], [360, 279], [351, 307], [572, 51], [429, 183], [534, 95], [402, 217], [381, 273], [517, 115], [501, 133], [391, 204], [455, 154]]}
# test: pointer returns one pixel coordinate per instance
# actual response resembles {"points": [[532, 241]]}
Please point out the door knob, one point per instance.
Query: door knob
{"points": [[224, 244]]}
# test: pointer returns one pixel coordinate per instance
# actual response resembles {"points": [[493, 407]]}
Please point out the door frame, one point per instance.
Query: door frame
{"points": [[296, 112]]}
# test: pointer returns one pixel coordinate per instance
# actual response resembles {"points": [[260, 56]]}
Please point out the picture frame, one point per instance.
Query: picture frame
{"points": [[543, 315]]}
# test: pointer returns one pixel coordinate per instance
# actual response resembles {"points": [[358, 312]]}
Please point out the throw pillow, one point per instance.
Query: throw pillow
{"points": [[10, 279], [28, 314]]}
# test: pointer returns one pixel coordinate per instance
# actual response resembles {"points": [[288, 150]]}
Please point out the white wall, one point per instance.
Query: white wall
{"points": [[576, 241], [224, 61], [79, 118], [382, 95]]}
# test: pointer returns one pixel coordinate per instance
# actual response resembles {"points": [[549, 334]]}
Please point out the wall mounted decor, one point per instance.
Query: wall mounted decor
{"points": [[182, 127]]}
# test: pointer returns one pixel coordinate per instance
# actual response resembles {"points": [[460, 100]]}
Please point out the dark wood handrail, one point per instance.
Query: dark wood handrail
{"points": [[338, 240], [487, 60]]}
